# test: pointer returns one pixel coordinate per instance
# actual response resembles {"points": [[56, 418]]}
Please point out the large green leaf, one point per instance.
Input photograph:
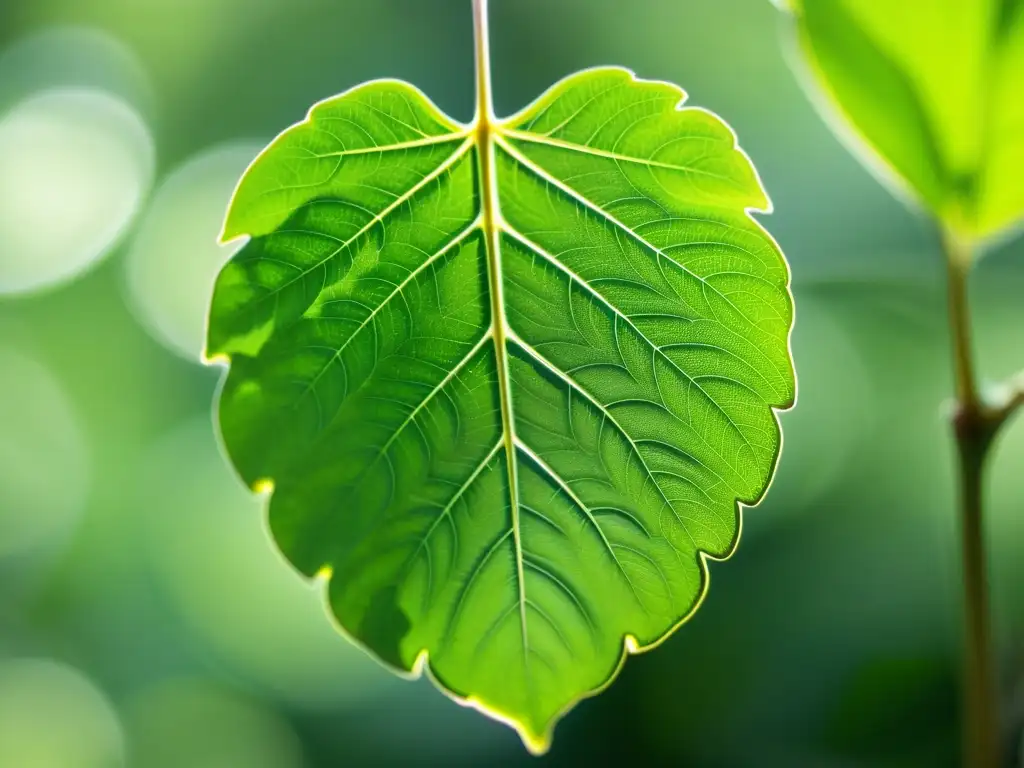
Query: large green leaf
{"points": [[508, 381], [935, 89]]}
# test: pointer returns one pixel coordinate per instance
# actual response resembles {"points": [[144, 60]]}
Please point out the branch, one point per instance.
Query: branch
{"points": [[1012, 398]]}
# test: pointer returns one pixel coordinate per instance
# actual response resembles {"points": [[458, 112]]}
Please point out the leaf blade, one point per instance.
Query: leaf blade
{"points": [[512, 430]]}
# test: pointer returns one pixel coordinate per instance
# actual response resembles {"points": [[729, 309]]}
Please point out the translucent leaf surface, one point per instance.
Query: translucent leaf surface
{"points": [[935, 88], [508, 382]]}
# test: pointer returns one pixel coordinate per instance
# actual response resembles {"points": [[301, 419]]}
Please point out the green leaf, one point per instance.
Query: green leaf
{"points": [[508, 381], [933, 89]]}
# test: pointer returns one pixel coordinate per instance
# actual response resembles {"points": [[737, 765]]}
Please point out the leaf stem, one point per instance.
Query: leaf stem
{"points": [[974, 425], [484, 101]]}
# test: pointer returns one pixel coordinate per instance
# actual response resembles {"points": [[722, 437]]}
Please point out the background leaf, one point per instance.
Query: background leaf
{"points": [[932, 87], [510, 446]]}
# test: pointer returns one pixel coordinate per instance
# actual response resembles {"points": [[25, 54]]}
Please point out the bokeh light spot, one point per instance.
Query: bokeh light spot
{"points": [[74, 57], [51, 716], [76, 166]]}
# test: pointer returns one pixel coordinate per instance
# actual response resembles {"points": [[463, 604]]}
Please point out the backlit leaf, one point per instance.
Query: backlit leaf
{"points": [[508, 381], [935, 89]]}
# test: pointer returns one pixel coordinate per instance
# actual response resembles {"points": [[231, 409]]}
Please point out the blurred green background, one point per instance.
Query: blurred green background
{"points": [[145, 617]]}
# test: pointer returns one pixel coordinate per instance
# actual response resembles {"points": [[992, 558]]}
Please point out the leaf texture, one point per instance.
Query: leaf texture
{"points": [[508, 388]]}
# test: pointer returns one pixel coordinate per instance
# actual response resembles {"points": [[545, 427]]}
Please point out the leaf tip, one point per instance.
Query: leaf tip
{"points": [[536, 744]]}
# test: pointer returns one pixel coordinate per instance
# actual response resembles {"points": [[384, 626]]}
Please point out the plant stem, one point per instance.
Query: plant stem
{"points": [[974, 425], [958, 261], [981, 718]]}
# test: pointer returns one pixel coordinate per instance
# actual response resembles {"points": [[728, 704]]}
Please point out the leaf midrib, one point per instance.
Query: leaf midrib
{"points": [[490, 212]]}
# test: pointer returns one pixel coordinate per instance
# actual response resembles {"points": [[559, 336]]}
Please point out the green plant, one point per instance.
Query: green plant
{"points": [[509, 381], [933, 90]]}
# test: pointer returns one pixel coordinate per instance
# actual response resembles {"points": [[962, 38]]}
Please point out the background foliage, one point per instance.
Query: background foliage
{"points": [[145, 619]]}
